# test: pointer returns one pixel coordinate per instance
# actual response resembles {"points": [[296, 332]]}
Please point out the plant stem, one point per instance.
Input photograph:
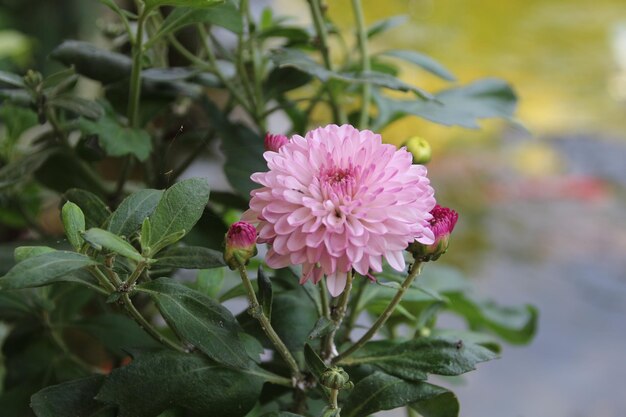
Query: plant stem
{"points": [[365, 60], [257, 312], [354, 312], [337, 316], [136, 315], [103, 280], [134, 94], [135, 275], [334, 393], [322, 34], [257, 70], [382, 319]]}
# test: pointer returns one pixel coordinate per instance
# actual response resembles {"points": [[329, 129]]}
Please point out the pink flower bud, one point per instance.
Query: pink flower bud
{"points": [[240, 244], [275, 142], [442, 224]]}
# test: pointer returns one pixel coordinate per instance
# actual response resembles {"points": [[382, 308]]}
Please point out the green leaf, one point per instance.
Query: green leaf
{"points": [[190, 257], [384, 25], [150, 4], [199, 320], [281, 414], [462, 106], [11, 80], [154, 382], [516, 324], [79, 106], [297, 59], [423, 61], [45, 269], [96, 212], [265, 292], [378, 392], [15, 120], [225, 15], [322, 327], [132, 212], [146, 232], [180, 208], [293, 316], [70, 399], [442, 405], [93, 62], [118, 140], [414, 359], [483, 339], [24, 252], [73, 223], [99, 238], [315, 364], [210, 281], [21, 170]]}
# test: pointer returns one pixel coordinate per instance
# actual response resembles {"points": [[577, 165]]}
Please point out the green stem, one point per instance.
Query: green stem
{"points": [[365, 60], [322, 34], [136, 315], [324, 299], [337, 317], [382, 319], [334, 393], [257, 312], [254, 48], [354, 311], [103, 280], [135, 75], [136, 274]]}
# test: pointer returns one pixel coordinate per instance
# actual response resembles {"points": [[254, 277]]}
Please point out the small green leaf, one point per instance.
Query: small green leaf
{"points": [[24, 252], [118, 140], [45, 269], [146, 232], [166, 241], [199, 320], [11, 80], [73, 223], [157, 381], [78, 106], [95, 211], [190, 257], [265, 292], [210, 281], [133, 211], [179, 209], [315, 364], [71, 398], [414, 359], [99, 238], [322, 327], [378, 392], [150, 4], [225, 15], [423, 61], [386, 24]]}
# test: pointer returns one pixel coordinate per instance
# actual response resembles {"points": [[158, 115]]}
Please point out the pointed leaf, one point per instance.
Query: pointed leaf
{"points": [[118, 140], [315, 364], [190, 257], [423, 61], [93, 62], [199, 320], [378, 392], [180, 208], [414, 359], [386, 24], [24, 252], [323, 326], [71, 398], [157, 381], [45, 269], [99, 238], [131, 213], [78, 106]]}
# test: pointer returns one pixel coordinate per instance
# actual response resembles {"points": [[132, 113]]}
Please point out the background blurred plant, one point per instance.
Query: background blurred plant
{"points": [[179, 81]]}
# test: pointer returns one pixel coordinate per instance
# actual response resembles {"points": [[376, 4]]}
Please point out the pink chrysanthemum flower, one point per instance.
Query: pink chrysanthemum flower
{"points": [[239, 244], [442, 224], [339, 199]]}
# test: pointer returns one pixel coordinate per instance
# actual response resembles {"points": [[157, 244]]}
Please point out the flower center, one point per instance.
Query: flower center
{"points": [[337, 184]]}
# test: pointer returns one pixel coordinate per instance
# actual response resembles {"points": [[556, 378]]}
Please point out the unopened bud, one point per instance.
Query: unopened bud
{"points": [[336, 378], [32, 79], [239, 245], [274, 142], [442, 224], [420, 149]]}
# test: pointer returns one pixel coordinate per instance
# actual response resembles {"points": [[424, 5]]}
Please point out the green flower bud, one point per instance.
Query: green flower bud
{"points": [[420, 149], [336, 378]]}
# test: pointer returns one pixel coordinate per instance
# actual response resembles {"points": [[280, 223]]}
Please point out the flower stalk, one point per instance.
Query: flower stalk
{"points": [[415, 270], [365, 62]]}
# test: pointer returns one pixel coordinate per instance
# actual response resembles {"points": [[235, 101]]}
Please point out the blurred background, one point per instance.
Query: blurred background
{"points": [[542, 208]]}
